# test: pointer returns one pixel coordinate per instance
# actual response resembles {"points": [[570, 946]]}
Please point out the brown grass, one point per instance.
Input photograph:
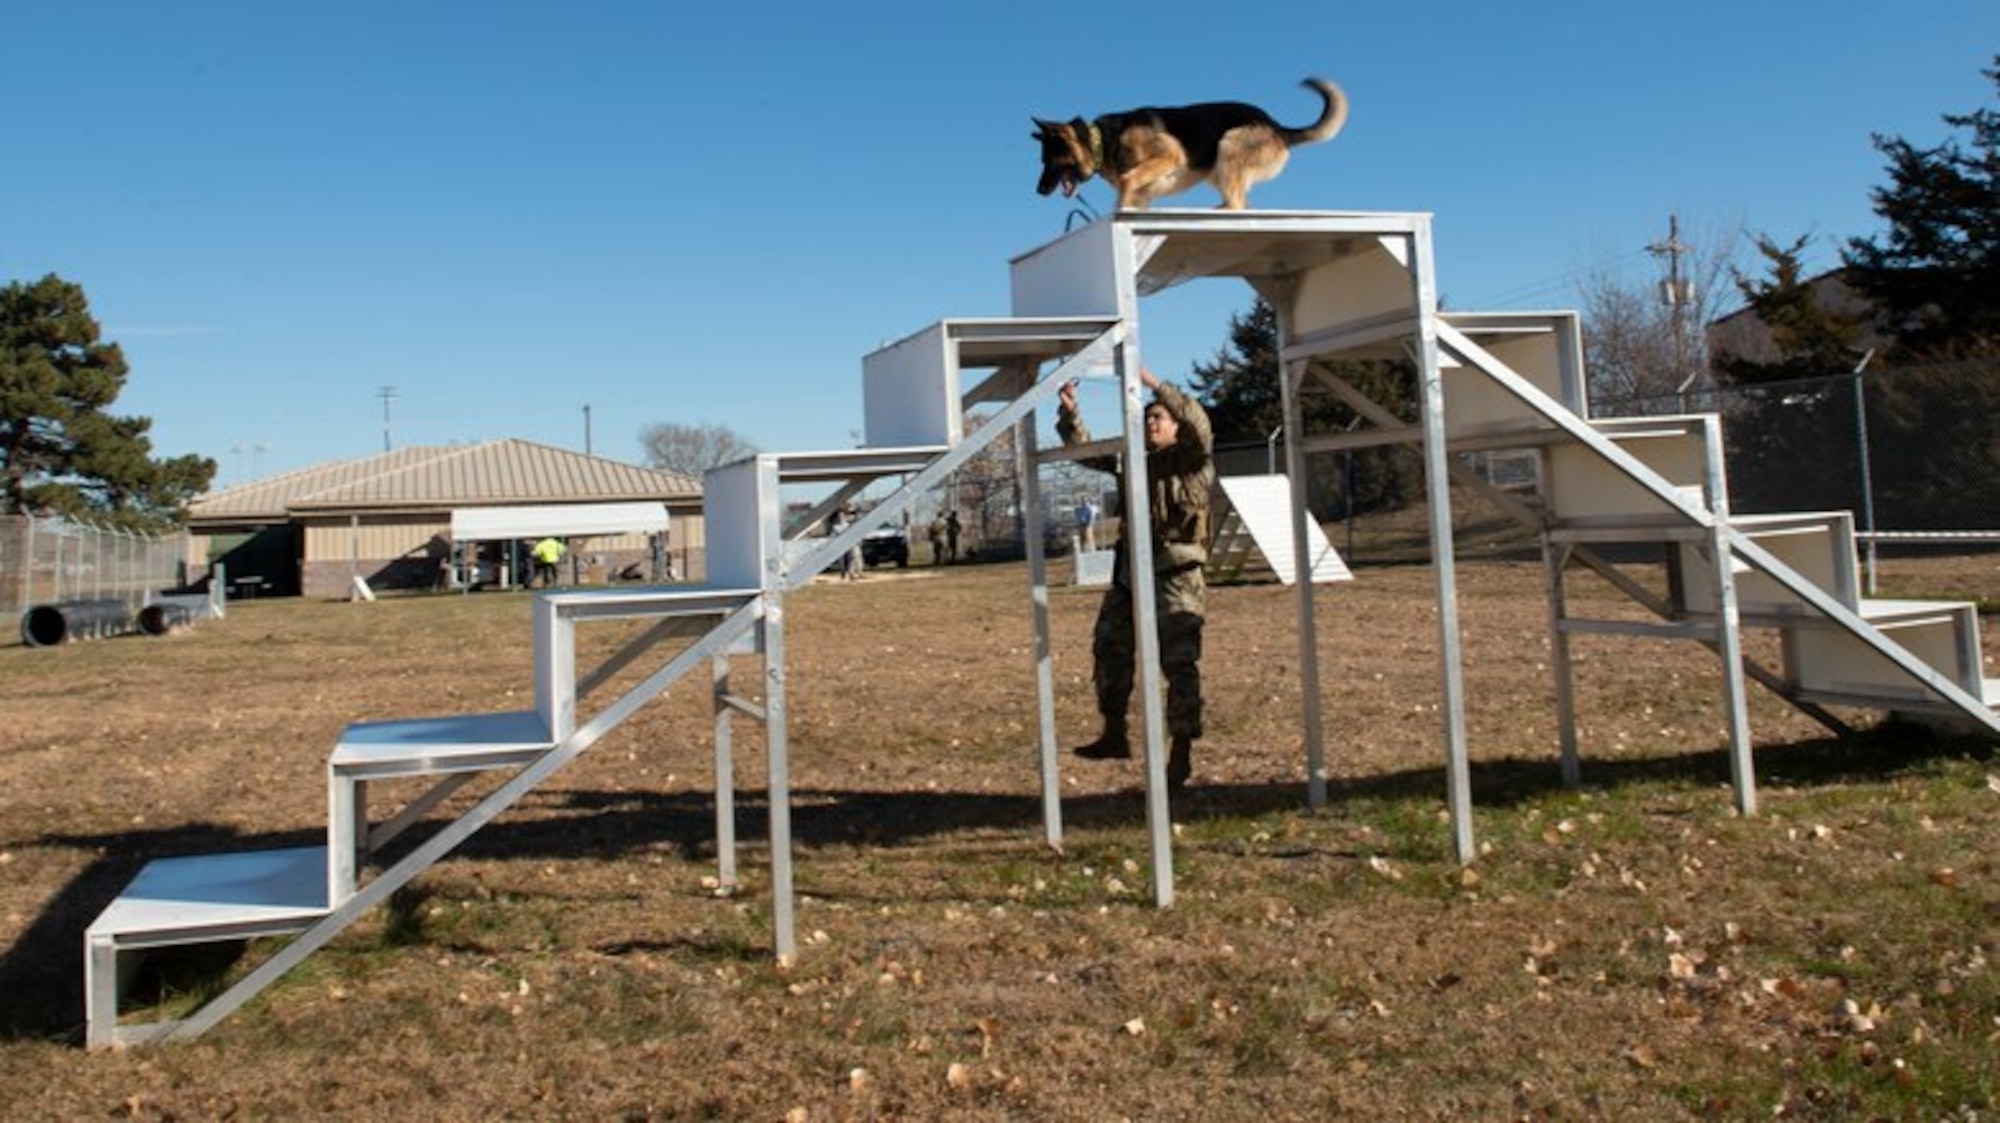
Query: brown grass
{"points": [[1629, 950]]}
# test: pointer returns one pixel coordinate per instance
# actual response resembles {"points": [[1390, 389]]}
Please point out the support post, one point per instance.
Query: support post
{"points": [[1038, 596], [1437, 483], [777, 749], [1554, 558], [1291, 380], [1729, 620], [725, 777], [1137, 530], [100, 992]]}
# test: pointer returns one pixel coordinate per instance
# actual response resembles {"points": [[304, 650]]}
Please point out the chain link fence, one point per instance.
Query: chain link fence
{"points": [[1913, 452], [51, 561]]}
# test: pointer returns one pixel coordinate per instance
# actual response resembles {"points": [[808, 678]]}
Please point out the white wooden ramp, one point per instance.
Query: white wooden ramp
{"points": [[1254, 521]]}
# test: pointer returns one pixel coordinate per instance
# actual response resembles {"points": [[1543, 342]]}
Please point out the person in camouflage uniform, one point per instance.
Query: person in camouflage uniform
{"points": [[1180, 472]]}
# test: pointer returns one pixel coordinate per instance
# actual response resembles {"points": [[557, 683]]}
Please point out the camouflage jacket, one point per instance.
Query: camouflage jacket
{"points": [[1178, 480]]}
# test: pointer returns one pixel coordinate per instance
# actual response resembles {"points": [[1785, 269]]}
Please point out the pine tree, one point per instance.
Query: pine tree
{"points": [[1240, 390], [1935, 274], [1239, 387], [1813, 337], [61, 453]]}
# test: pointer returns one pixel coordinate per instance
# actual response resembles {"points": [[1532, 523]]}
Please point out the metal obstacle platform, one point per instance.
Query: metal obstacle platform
{"points": [[1345, 285]]}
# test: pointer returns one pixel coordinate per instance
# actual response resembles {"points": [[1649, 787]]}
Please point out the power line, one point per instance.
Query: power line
{"points": [[1568, 281]]}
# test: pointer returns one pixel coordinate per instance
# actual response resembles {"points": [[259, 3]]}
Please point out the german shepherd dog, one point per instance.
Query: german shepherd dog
{"points": [[1150, 153]]}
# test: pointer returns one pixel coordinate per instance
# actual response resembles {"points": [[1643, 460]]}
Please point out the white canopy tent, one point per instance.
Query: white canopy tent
{"points": [[551, 520], [556, 520]]}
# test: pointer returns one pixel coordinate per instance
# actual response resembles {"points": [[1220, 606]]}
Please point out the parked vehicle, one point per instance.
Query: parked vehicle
{"points": [[888, 546]]}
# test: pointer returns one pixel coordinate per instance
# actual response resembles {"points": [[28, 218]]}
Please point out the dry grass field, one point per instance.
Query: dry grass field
{"points": [[1632, 949]]}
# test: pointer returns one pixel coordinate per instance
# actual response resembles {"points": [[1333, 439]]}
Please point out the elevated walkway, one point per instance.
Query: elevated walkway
{"points": [[1345, 285]]}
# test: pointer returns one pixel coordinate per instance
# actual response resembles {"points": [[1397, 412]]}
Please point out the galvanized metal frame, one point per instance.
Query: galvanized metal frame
{"points": [[1027, 445], [1152, 250], [791, 564], [1444, 564], [1145, 252], [428, 852], [1724, 543]]}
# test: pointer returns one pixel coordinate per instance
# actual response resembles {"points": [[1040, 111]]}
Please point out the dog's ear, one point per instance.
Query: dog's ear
{"points": [[1041, 127]]}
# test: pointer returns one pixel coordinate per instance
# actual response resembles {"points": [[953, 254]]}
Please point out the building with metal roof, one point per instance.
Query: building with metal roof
{"points": [[388, 519]]}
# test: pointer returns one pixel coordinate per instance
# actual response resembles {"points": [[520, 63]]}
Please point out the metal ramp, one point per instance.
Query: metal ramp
{"points": [[1253, 530]]}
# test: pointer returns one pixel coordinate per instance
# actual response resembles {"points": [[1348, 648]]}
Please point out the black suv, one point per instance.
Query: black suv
{"points": [[890, 545]]}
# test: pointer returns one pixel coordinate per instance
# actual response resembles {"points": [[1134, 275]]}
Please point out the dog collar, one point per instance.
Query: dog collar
{"points": [[1097, 148]]}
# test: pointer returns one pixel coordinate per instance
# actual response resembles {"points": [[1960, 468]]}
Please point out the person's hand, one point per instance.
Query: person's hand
{"points": [[1147, 376], [1068, 395]]}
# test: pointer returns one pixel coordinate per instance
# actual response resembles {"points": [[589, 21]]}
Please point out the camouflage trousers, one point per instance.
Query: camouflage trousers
{"points": [[1177, 603]]}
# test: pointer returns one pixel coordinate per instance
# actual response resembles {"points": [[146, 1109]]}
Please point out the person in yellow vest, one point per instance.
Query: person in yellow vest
{"points": [[548, 554]]}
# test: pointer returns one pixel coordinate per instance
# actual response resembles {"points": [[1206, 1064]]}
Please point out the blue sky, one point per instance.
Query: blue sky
{"points": [[665, 212]]}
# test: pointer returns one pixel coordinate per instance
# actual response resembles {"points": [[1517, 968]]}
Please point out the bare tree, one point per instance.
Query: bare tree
{"points": [[691, 449], [1643, 327], [986, 489]]}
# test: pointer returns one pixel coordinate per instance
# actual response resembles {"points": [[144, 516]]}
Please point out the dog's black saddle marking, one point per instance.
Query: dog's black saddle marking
{"points": [[1199, 128]]}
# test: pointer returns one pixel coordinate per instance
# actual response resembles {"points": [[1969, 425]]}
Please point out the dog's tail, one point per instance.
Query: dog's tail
{"points": [[1331, 117]]}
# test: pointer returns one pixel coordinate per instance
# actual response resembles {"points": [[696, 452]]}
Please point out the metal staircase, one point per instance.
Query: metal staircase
{"points": [[1345, 285], [1660, 482], [758, 551]]}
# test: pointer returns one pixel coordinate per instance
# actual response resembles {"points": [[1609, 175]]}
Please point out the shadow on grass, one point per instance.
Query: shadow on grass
{"points": [[42, 973]]}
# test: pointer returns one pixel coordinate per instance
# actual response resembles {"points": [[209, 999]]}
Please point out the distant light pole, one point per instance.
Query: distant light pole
{"points": [[256, 450], [388, 395]]}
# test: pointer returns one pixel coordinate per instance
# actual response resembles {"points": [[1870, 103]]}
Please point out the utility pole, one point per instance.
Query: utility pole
{"points": [[388, 395], [586, 428], [1678, 294]]}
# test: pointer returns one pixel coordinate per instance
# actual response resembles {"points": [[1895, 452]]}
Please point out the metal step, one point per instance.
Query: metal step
{"points": [[373, 750], [621, 602], [457, 748], [1582, 485], [677, 610], [1818, 546], [1830, 665], [207, 898], [855, 463]]}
